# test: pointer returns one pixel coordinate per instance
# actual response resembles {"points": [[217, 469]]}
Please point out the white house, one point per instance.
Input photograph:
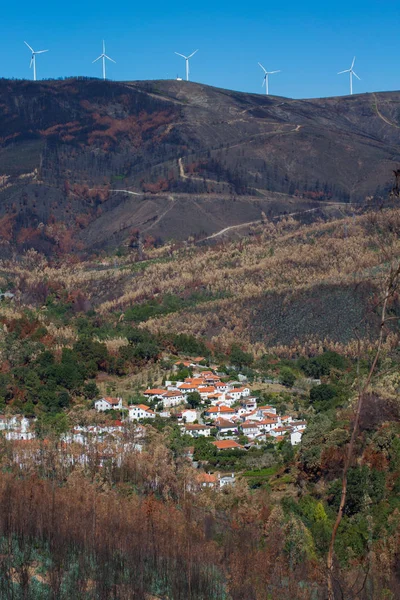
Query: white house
{"points": [[250, 403], [188, 388], [295, 437], [250, 429], [268, 409], [206, 391], [153, 393], [225, 427], [140, 411], [299, 425], [172, 398], [189, 415], [108, 403], [226, 480], [219, 411], [197, 430], [238, 393], [222, 387], [267, 424], [286, 419], [279, 431]]}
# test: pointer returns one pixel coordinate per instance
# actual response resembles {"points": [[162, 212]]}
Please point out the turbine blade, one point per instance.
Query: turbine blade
{"points": [[31, 49], [355, 75], [31, 63], [101, 56], [265, 70], [346, 71], [40, 51], [183, 56], [193, 53], [110, 58], [271, 72], [352, 64]]}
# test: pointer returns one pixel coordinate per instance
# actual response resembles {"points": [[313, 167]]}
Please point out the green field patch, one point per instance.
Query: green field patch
{"points": [[167, 304], [267, 472]]}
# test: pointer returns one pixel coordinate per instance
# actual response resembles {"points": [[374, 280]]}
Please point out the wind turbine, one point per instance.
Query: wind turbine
{"points": [[187, 62], [104, 56], [352, 72], [265, 80], [33, 59]]}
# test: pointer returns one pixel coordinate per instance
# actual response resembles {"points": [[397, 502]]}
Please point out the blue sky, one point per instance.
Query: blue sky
{"points": [[309, 41]]}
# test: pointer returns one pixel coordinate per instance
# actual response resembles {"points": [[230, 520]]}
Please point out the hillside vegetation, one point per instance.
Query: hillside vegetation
{"points": [[287, 288]]}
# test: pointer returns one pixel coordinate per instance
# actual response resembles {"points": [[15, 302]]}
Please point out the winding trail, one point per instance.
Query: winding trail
{"points": [[381, 116], [259, 221], [222, 231], [128, 192], [193, 177]]}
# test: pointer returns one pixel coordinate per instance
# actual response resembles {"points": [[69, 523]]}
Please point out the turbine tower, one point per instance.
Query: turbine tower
{"points": [[352, 72], [265, 80], [104, 56], [187, 62], [33, 59]]}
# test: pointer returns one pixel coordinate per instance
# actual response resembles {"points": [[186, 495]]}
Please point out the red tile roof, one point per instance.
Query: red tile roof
{"points": [[226, 444], [224, 423], [154, 392], [220, 409], [206, 478], [188, 386], [112, 400], [142, 406]]}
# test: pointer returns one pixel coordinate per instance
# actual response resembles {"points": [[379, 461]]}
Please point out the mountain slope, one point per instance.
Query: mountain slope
{"points": [[285, 288], [85, 163]]}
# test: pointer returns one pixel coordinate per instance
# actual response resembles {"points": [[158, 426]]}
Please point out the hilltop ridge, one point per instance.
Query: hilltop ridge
{"points": [[87, 164]]}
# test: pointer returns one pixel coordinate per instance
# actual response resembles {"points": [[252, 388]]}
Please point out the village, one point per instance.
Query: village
{"points": [[202, 406], [225, 410]]}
